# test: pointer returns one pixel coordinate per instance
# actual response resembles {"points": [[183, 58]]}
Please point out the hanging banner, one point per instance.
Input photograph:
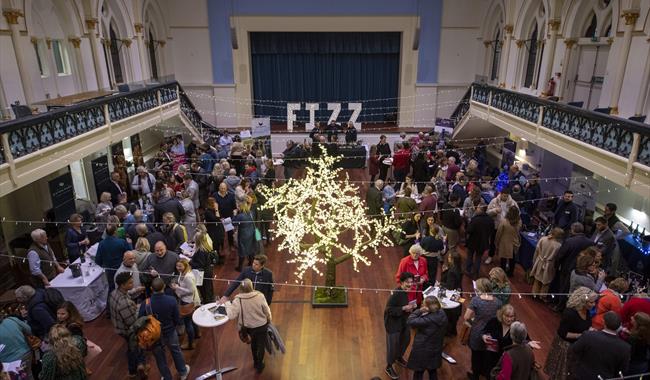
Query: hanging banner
{"points": [[101, 174], [261, 126], [62, 195]]}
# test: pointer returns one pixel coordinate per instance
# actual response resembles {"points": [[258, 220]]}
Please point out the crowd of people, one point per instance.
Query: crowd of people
{"points": [[192, 194]]}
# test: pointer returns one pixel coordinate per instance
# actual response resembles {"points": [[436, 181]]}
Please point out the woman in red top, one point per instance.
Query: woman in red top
{"points": [[638, 303], [610, 300], [416, 264], [373, 165]]}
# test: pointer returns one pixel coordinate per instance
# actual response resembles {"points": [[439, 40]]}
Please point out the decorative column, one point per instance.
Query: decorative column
{"points": [[12, 15], [643, 91], [630, 20], [565, 66], [161, 58], [505, 55], [126, 42], [91, 24], [520, 51], [79, 64], [486, 63], [4, 106], [554, 27], [139, 36]]}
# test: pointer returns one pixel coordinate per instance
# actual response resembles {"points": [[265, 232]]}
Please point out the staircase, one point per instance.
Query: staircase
{"points": [[614, 148], [37, 145]]}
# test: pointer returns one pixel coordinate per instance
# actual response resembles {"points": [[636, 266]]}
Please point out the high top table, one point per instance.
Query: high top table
{"points": [[87, 292], [203, 317]]}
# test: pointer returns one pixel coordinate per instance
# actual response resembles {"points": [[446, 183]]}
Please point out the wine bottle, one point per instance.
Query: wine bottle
{"points": [[636, 230]]}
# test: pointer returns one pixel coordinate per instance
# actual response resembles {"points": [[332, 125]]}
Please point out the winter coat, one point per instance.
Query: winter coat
{"points": [[426, 352], [544, 259], [507, 239]]}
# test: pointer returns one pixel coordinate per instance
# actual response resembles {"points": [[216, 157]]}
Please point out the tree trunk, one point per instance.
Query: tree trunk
{"points": [[330, 273]]}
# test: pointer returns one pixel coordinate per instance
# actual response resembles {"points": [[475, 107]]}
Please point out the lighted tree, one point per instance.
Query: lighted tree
{"points": [[313, 214]]}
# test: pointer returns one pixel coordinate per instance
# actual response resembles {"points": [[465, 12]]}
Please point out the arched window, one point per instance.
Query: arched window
{"points": [[152, 56], [115, 56], [591, 29], [531, 46], [496, 56]]}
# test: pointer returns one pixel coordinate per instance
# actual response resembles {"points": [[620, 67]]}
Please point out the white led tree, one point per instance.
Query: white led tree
{"points": [[322, 221]]}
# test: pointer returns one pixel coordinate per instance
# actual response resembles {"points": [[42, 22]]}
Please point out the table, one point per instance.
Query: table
{"points": [[64, 101], [203, 317], [415, 197], [354, 156], [88, 292], [527, 249]]}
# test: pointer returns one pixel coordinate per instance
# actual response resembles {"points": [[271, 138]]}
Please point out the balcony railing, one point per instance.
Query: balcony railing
{"points": [[613, 134], [27, 135]]}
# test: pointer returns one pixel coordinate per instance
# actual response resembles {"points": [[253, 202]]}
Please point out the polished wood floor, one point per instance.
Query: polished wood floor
{"points": [[344, 343]]}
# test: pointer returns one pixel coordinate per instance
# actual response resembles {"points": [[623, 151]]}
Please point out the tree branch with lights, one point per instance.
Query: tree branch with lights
{"points": [[314, 214]]}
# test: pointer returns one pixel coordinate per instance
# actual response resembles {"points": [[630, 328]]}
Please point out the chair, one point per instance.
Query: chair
{"points": [[21, 110], [576, 104], [640, 119], [605, 110]]}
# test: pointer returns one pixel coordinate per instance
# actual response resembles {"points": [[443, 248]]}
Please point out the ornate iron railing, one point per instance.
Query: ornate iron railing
{"points": [[31, 134], [206, 129], [610, 133], [461, 108]]}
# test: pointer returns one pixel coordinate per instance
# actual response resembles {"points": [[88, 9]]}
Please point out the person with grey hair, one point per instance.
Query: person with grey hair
{"points": [[518, 361], [143, 183], [43, 264], [168, 203], [374, 199], [232, 181], [601, 354], [40, 316]]}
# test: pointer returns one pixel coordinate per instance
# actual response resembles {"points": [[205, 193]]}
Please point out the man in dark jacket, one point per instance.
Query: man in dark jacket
{"points": [[261, 277], [479, 233], [110, 253], [374, 199], [451, 221], [398, 335], [39, 316], [566, 257], [566, 212], [168, 203], [601, 354], [165, 309], [605, 241]]}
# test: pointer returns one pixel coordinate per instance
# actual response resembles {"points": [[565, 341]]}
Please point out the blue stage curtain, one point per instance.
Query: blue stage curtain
{"points": [[335, 67]]}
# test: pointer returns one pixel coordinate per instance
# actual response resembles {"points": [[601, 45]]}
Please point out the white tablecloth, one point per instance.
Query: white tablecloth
{"points": [[88, 292]]}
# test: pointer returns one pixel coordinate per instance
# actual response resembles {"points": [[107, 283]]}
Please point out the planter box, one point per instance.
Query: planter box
{"points": [[319, 297]]}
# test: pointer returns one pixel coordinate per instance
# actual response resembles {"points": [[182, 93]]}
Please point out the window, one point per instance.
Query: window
{"points": [[60, 58], [531, 46], [115, 56], [152, 56], [496, 57], [591, 29], [42, 69]]}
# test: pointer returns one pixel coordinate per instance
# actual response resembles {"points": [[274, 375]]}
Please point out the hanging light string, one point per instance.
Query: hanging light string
{"points": [[301, 284], [400, 214]]}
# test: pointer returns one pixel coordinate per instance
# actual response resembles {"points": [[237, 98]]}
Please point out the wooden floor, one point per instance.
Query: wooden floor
{"points": [[344, 343]]}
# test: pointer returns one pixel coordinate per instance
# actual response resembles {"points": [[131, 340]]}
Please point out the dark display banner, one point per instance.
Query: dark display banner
{"points": [[101, 174], [62, 194]]}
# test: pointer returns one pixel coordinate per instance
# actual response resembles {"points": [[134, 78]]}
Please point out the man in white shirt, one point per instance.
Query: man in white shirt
{"points": [[225, 141], [143, 183], [43, 264]]}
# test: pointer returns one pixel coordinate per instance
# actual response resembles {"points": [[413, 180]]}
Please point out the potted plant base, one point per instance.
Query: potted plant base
{"points": [[329, 297]]}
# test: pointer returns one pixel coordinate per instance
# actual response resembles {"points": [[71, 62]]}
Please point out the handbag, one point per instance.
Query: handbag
{"points": [[464, 333], [244, 336], [258, 234], [186, 309]]}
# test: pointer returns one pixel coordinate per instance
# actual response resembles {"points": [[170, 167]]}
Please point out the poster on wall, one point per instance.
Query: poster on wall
{"points": [[101, 174], [136, 148], [62, 195]]}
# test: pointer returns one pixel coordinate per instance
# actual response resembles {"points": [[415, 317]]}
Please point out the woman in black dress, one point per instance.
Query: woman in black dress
{"points": [[214, 227], [383, 149], [204, 259]]}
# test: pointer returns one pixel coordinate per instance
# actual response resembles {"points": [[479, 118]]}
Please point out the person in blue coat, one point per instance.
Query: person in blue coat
{"points": [[246, 243]]}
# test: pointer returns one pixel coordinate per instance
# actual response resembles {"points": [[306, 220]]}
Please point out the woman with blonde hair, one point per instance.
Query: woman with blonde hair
{"points": [[430, 323], [253, 315], [103, 211], [65, 359], [500, 284], [246, 243], [188, 295], [575, 320], [204, 259], [482, 308], [142, 250], [544, 261]]}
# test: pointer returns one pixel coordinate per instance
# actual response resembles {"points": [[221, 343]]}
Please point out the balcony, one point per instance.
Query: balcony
{"points": [[614, 148], [37, 145]]}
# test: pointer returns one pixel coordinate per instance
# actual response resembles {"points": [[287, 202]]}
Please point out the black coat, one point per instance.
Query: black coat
{"points": [[215, 228], [479, 231], [426, 352], [394, 316], [567, 255], [166, 205], [597, 353]]}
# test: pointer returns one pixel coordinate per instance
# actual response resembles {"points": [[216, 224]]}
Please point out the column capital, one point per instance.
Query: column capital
{"points": [[48, 42], [508, 28], [520, 43], [540, 43], [161, 43], [91, 23], [11, 15], [554, 24], [33, 40], [630, 17], [126, 42], [75, 41], [106, 42], [610, 40], [613, 110], [138, 27], [570, 42], [487, 43]]}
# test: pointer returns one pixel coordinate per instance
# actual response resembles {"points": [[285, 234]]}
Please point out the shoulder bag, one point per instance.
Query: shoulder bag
{"points": [[244, 336]]}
